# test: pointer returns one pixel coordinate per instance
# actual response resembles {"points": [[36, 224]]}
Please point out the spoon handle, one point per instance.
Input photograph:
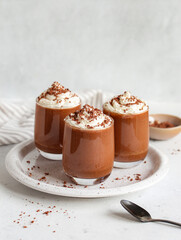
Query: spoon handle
{"points": [[166, 221]]}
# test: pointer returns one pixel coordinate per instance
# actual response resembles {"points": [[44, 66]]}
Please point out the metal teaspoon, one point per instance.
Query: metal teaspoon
{"points": [[141, 214]]}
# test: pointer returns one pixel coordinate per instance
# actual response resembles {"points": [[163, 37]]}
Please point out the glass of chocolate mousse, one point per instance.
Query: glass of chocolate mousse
{"points": [[52, 106], [88, 146], [131, 129]]}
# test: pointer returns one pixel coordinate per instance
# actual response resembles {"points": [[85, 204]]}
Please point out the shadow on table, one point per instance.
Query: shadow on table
{"points": [[121, 215]]}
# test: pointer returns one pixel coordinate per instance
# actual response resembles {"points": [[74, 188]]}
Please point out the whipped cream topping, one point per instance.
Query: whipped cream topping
{"points": [[126, 104], [89, 118], [58, 97]]}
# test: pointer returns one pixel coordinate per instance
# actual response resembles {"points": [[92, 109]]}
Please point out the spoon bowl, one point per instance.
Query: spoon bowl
{"points": [[136, 211]]}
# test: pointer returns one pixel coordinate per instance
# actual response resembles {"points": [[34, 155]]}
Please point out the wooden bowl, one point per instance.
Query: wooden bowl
{"points": [[165, 133]]}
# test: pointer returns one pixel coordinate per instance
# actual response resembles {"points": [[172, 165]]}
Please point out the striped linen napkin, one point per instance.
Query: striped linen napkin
{"points": [[17, 116]]}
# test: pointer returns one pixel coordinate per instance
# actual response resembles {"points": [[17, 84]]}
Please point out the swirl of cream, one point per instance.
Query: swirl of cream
{"points": [[89, 118], [126, 104], [58, 97]]}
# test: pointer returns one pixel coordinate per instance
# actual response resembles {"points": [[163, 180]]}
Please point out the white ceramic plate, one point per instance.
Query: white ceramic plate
{"points": [[26, 165]]}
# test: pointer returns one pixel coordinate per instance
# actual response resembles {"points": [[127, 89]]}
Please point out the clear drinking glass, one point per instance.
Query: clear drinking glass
{"points": [[88, 154], [131, 133], [49, 129]]}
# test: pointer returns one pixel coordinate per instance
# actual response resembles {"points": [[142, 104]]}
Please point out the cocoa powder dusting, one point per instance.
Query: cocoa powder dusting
{"points": [[165, 124]]}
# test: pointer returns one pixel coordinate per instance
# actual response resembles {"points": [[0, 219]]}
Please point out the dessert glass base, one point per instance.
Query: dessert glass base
{"points": [[50, 156], [126, 164], [88, 181]]}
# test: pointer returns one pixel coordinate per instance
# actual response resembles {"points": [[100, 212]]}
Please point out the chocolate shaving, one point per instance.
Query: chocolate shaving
{"points": [[42, 178]]}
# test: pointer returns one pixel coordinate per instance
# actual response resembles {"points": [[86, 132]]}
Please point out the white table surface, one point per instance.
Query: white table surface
{"points": [[93, 218]]}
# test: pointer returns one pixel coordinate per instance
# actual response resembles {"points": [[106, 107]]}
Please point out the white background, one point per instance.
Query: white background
{"points": [[114, 45], [111, 45]]}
